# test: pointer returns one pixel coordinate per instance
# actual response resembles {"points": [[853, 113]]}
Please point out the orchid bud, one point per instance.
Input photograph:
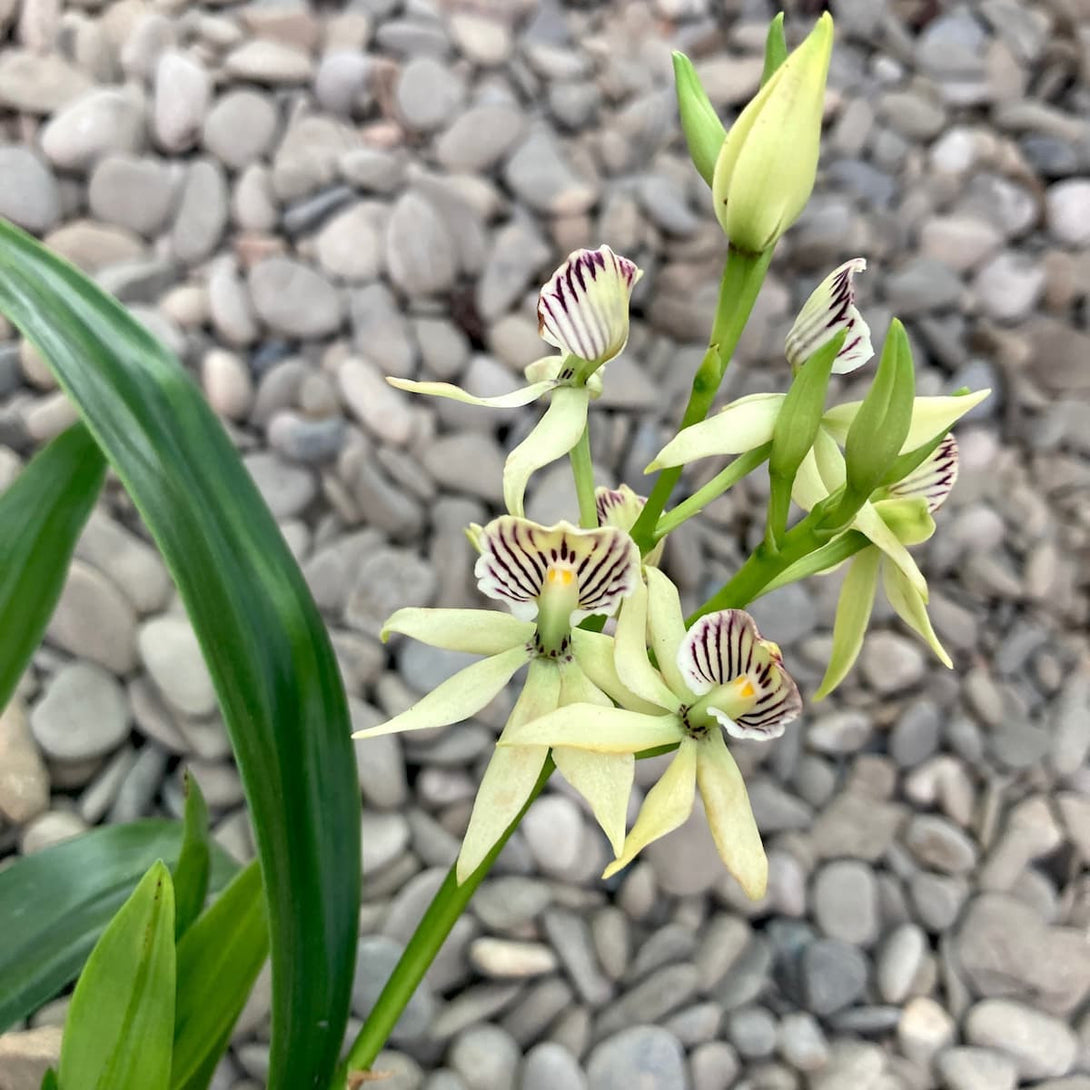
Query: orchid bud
{"points": [[775, 48], [704, 132], [766, 168]]}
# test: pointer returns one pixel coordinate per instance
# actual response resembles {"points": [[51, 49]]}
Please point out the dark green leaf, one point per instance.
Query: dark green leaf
{"points": [[194, 860], [120, 1026], [49, 1080], [219, 958], [266, 646], [41, 516], [54, 904]]}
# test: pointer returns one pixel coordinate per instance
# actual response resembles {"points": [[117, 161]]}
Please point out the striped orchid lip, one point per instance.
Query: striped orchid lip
{"points": [[829, 310], [934, 478], [583, 309], [521, 562], [621, 507], [740, 676]]}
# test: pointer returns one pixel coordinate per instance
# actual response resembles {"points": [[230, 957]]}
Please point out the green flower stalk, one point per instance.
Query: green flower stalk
{"points": [[768, 163], [717, 676], [583, 311], [550, 578]]}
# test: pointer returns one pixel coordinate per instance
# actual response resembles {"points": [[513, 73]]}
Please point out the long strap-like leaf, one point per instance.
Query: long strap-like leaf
{"points": [[41, 516], [266, 646]]}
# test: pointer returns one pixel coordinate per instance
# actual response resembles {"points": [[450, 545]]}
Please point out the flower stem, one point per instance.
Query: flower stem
{"points": [[700, 499], [583, 469], [447, 905], [743, 275]]}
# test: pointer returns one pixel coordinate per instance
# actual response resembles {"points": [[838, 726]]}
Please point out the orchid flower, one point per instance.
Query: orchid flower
{"points": [[718, 676], [583, 311], [550, 578], [621, 507], [904, 512], [829, 310]]}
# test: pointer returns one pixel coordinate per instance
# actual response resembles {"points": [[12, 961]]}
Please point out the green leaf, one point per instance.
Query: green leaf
{"points": [[55, 903], [194, 860], [219, 958], [775, 48], [120, 1026], [267, 649], [41, 516], [49, 1080]]}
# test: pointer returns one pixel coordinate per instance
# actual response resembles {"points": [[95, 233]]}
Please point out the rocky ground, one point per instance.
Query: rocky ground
{"points": [[301, 200]]}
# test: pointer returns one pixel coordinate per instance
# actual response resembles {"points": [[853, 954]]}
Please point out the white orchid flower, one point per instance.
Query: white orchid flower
{"points": [[718, 676], [621, 507], [583, 311], [829, 310], [903, 512], [550, 578]]}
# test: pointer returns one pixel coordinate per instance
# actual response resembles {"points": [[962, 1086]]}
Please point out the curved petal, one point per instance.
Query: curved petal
{"points": [[458, 697], [521, 561], [666, 627], [830, 310], [742, 425], [523, 396], [630, 653], [594, 654], [583, 309], [556, 433], [730, 817], [478, 631], [931, 416], [605, 781], [601, 730], [934, 478], [853, 611], [871, 523], [909, 606], [667, 806]]}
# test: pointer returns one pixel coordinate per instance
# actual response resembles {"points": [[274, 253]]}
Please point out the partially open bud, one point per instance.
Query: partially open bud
{"points": [[704, 132], [830, 310], [766, 169]]}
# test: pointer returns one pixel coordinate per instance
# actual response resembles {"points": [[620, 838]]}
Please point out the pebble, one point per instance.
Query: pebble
{"points": [[479, 137], [968, 1068], [939, 844], [293, 300], [570, 936], [29, 196], [26, 1055], [924, 1029], [183, 89], [134, 192], [540, 175], [350, 245], [644, 1056], [83, 714], [802, 1042], [834, 975], [24, 779], [714, 1066], [1041, 1046], [846, 902], [94, 620], [39, 83], [503, 958], [375, 959], [891, 663], [240, 127], [1065, 205], [419, 251], [202, 212], [287, 489], [427, 94], [269, 62], [486, 1057], [550, 1065], [1009, 286], [97, 123], [172, 656]]}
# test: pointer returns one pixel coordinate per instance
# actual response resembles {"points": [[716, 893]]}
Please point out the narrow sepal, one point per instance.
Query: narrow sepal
{"points": [[477, 631], [523, 396], [742, 425], [598, 729], [931, 417], [911, 608], [704, 132], [871, 523], [630, 653], [666, 629], [594, 654], [853, 612]]}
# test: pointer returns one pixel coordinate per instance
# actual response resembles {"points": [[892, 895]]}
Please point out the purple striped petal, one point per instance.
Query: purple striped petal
{"points": [[517, 556], [621, 507], [583, 309], [933, 478], [829, 310], [726, 646]]}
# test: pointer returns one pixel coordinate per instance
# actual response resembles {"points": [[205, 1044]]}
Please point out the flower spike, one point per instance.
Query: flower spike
{"points": [[583, 309], [521, 563], [829, 310], [934, 478]]}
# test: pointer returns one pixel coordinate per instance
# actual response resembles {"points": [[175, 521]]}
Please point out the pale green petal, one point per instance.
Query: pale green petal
{"points": [[666, 625], [853, 611], [668, 805], [730, 818], [809, 488], [522, 396], [512, 771], [630, 653], [743, 425], [871, 523], [830, 461], [555, 434], [931, 416], [505, 787], [910, 607], [478, 631], [601, 730], [594, 654], [577, 688], [458, 697], [605, 781]]}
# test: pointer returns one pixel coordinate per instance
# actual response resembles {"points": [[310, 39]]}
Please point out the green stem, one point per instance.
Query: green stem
{"points": [[743, 275], [726, 478], [430, 934], [583, 469]]}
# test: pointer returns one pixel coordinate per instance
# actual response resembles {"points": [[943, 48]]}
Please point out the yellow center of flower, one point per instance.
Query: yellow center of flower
{"points": [[733, 698]]}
